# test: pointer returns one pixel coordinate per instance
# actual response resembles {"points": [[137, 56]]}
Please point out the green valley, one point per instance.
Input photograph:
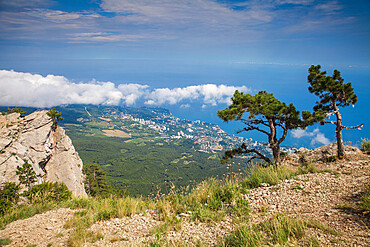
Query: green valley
{"points": [[148, 150]]}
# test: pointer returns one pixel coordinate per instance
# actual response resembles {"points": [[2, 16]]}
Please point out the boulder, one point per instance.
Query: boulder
{"points": [[50, 152]]}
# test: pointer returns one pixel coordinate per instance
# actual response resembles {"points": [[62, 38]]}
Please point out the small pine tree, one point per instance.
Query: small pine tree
{"points": [[333, 93], [27, 175], [95, 180], [18, 110], [55, 116]]}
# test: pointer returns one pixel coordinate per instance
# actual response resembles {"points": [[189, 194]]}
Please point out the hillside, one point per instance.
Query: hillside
{"points": [[146, 149], [316, 204]]}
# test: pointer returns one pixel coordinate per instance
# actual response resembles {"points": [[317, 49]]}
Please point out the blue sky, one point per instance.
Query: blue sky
{"points": [[188, 56]]}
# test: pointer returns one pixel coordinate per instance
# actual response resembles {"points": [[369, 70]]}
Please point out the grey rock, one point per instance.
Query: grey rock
{"points": [[50, 152], [321, 153]]}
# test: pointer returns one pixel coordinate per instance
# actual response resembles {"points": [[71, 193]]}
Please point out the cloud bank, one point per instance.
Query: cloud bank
{"points": [[33, 90], [316, 135]]}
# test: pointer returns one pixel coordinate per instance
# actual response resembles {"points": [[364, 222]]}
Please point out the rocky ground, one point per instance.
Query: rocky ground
{"points": [[329, 197]]}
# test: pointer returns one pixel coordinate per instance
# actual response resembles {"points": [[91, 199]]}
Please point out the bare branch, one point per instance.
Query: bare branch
{"points": [[354, 127], [332, 122], [243, 150], [253, 128], [259, 155], [283, 136]]}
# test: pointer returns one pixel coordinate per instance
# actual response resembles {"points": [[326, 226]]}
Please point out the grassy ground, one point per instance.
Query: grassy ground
{"points": [[209, 201]]}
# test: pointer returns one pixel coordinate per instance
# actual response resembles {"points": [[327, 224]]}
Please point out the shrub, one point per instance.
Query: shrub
{"points": [[328, 159], [365, 145], [271, 175], [9, 196], [49, 191], [244, 236], [5, 241]]}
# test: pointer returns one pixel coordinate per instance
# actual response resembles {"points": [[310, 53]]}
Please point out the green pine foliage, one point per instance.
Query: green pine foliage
{"points": [[55, 116], [27, 175], [96, 183], [18, 110], [333, 93], [9, 196], [266, 115]]}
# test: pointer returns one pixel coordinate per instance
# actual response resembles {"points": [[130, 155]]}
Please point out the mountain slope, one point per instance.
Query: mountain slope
{"points": [[326, 199]]}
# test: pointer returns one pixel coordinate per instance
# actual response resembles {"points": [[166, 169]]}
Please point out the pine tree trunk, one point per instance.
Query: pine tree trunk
{"points": [[338, 131], [276, 154], [273, 142]]}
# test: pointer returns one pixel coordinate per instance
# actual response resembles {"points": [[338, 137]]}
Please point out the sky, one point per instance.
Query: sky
{"points": [[188, 56]]}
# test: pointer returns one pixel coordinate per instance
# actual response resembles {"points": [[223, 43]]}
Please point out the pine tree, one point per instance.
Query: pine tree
{"points": [[266, 115], [333, 93], [18, 110], [55, 116], [95, 180], [27, 175]]}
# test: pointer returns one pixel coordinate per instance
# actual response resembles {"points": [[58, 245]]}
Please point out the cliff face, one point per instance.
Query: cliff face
{"points": [[50, 153]]}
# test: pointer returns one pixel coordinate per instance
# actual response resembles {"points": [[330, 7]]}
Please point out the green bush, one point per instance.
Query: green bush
{"points": [[328, 159], [5, 241], [271, 175], [244, 236], [49, 191], [9, 196], [365, 145]]}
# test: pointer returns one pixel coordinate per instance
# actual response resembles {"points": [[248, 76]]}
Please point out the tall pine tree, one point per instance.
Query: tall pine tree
{"points": [[333, 93]]}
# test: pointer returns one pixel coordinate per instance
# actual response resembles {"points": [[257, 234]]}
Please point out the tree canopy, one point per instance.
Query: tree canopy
{"points": [[266, 114]]}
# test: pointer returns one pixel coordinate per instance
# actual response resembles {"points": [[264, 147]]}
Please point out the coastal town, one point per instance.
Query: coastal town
{"points": [[160, 123]]}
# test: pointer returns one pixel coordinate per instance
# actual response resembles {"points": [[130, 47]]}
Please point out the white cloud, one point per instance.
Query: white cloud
{"points": [[104, 37], [184, 106], [26, 89], [208, 93], [320, 139], [132, 92], [316, 135]]}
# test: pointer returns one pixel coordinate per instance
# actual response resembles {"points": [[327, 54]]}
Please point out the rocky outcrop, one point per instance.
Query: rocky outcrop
{"points": [[324, 153], [50, 152]]}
